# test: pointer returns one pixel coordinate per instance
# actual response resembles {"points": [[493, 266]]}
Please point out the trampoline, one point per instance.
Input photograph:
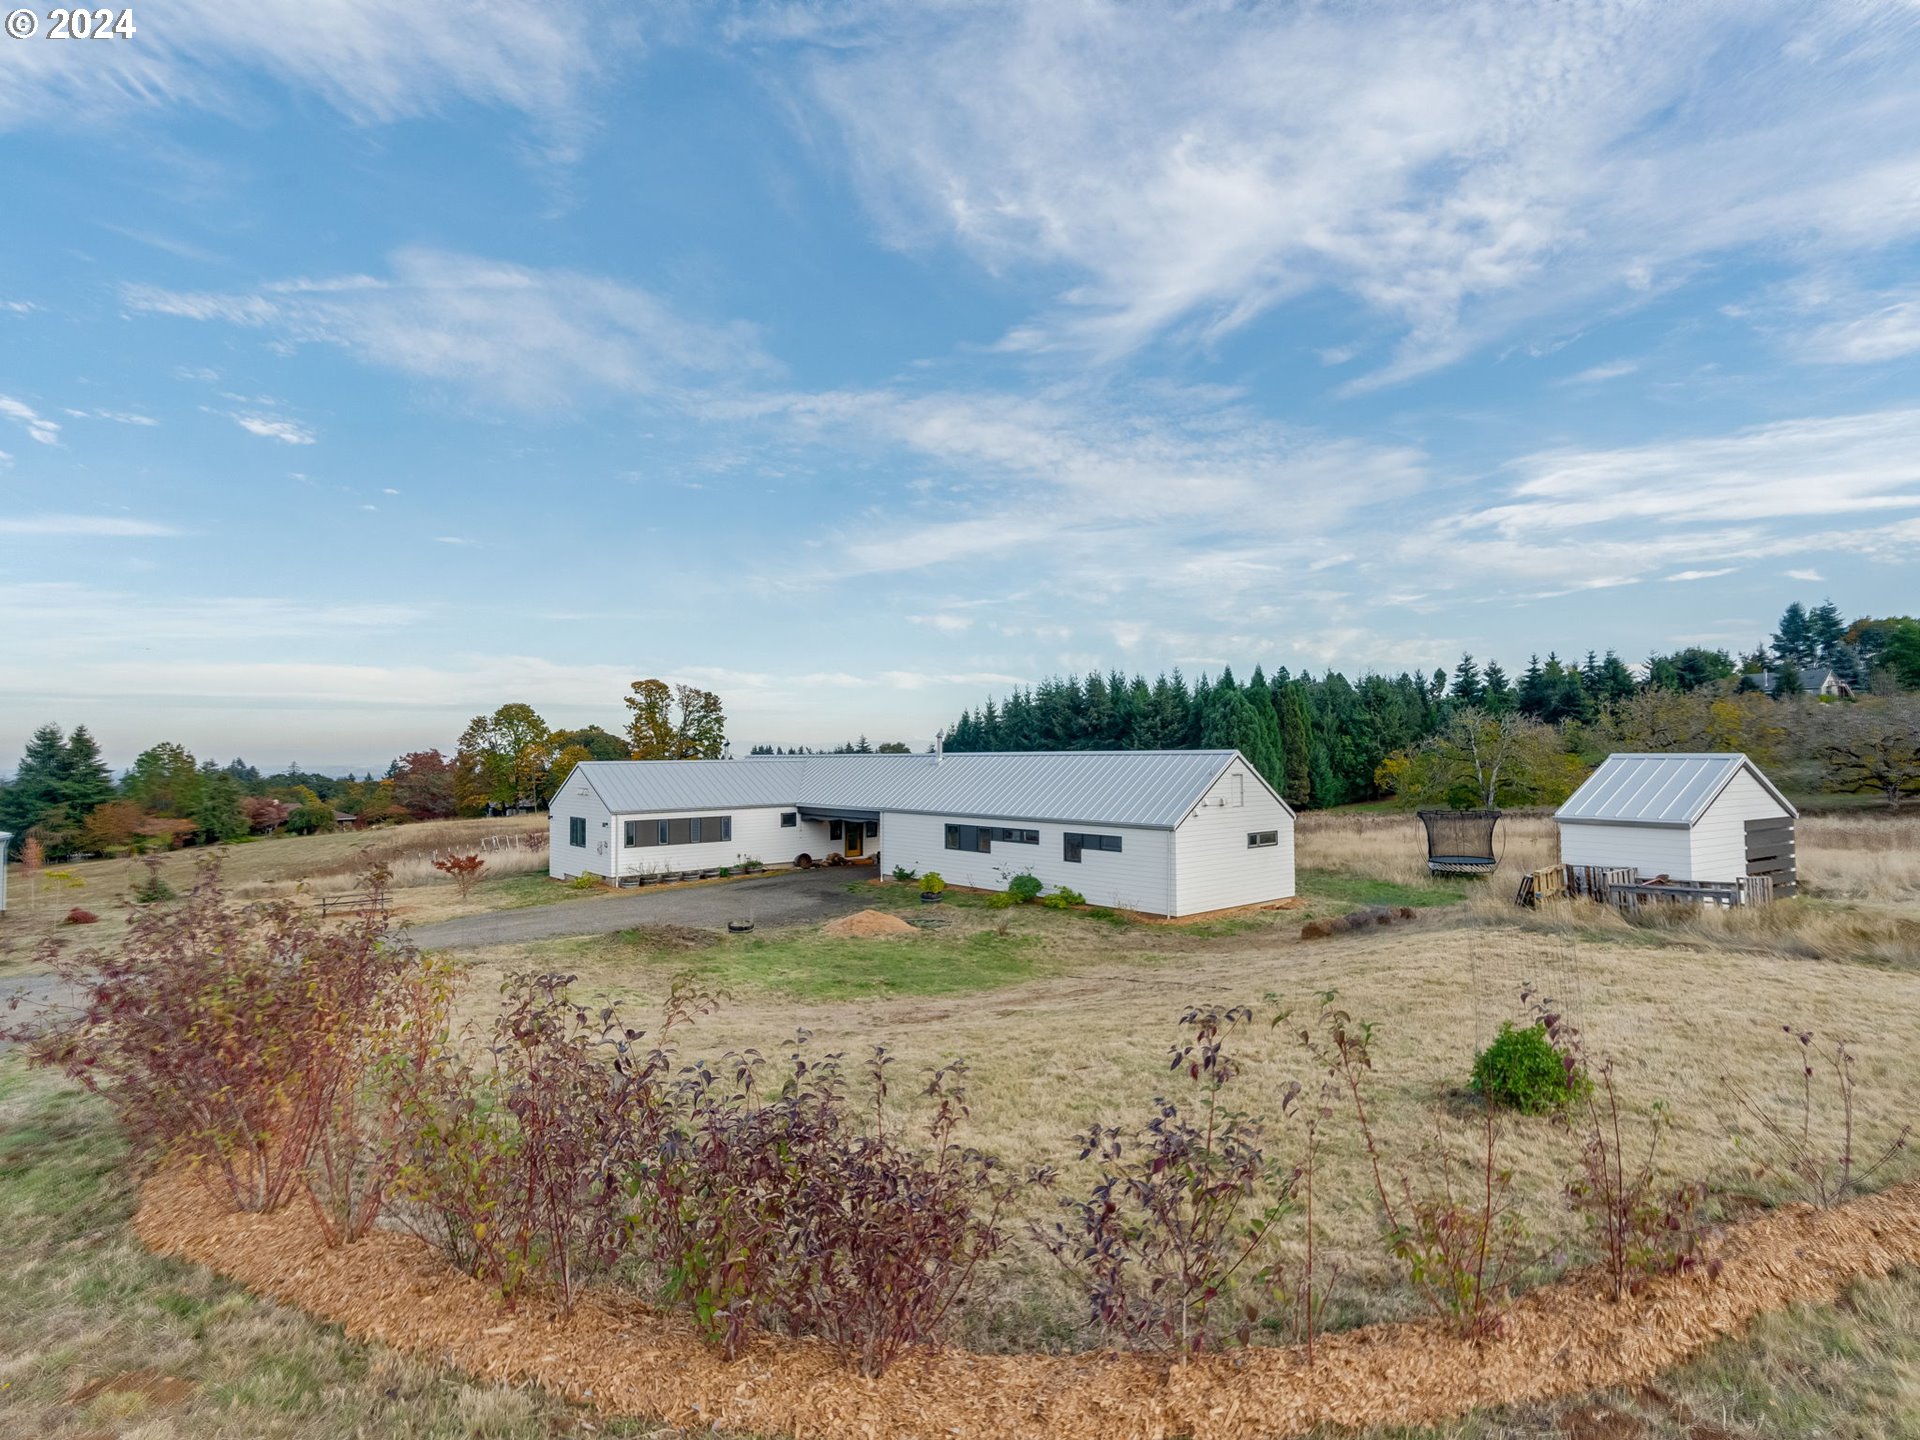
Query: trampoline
{"points": [[1460, 842]]}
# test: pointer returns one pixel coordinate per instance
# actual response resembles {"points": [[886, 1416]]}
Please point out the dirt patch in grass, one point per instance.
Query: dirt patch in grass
{"points": [[626, 1359], [867, 925]]}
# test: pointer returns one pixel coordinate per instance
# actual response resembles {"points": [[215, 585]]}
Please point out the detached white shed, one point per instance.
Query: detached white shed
{"points": [[1703, 818]]}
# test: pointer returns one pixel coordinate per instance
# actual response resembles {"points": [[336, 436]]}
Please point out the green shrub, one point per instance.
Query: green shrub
{"points": [[902, 873], [1001, 900], [725, 872], [153, 889], [932, 883], [587, 880], [1025, 888], [1522, 1071], [1064, 898]]}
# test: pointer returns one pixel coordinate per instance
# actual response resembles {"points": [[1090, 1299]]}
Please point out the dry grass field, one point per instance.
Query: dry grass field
{"points": [[1065, 1020], [299, 867]]}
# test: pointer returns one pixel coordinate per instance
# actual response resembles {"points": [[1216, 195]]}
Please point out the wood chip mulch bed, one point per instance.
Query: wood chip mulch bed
{"points": [[624, 1358]]}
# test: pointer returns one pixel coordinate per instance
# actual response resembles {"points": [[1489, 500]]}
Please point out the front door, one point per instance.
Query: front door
{"points": [[856, 831]]}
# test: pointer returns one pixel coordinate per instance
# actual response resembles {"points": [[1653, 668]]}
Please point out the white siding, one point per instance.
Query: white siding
{"points": [[1137, 878], [565, 861], [757, 835], [1720, 835], [1650, 849], [1214, 869]]}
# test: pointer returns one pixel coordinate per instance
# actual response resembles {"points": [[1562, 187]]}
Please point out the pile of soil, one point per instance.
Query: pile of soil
{"points": [[867, 925], [1358, 920], [624, 1358]]}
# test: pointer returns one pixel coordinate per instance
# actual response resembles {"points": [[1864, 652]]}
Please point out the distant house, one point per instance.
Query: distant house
{"points": [[1167, 832], [1698, 817], [1814, 680]]}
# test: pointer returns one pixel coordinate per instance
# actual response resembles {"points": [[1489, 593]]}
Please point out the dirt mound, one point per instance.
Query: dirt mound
{"points": [[1358, 920], [868, 925]]}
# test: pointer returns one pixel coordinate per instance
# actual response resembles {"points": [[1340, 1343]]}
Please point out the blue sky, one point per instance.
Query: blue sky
{"points": [[365, 365]]}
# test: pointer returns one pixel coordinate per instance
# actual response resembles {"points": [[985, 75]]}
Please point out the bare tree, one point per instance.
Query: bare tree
{"points": [[1872, 747]]}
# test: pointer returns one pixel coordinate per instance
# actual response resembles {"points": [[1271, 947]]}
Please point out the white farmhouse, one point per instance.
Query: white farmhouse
{"points": [[1165, 832], [1712, 818]]}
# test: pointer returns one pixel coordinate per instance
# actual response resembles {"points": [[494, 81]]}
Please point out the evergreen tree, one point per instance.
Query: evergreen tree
{"points": [[1296, 743], [1616, 681], [1794, 639], [86, 782], [1825, 631], [36, 791], [1467, 688], [1496, 695], [1534, 695]]}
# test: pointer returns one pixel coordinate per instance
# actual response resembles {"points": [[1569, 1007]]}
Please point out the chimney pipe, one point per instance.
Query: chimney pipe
{"points": [[939, 747]]}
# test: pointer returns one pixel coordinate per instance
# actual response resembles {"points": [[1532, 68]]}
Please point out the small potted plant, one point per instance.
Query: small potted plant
{"points": [[931, 886]]}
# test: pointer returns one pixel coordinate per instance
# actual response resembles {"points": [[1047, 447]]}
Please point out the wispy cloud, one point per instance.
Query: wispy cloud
{"points": [[1884, 327], [38, 427], [83, 525], [1460, 174], [1813, 576], [1701, 574], [507, 333], [269, 427], [374, 60], [1612, 370]]}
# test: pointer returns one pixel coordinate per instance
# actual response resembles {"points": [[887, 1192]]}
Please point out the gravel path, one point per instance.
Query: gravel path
{"points": [[803, 897], [40, 996]]}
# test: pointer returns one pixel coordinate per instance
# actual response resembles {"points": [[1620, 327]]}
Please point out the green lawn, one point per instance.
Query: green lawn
{"points": [[1344, 888]]}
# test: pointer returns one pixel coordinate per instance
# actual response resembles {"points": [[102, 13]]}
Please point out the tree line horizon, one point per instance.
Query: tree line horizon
{"points": [[1320, 742]]}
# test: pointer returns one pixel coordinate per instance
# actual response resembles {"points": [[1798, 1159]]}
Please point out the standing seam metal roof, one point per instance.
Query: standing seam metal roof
{"points": [[1671, 790], [1151, 789]]}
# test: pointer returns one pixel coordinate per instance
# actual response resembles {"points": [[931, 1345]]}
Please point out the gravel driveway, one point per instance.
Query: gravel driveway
{"points": [[801, 897]]}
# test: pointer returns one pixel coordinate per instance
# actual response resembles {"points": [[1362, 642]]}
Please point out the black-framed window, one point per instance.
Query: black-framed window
{"points": [[643, 832], [1076, 843], [577, 831], [1261, 839], [680, 830], [789, 819], [835, 830], [873, 829], [970, 837]]}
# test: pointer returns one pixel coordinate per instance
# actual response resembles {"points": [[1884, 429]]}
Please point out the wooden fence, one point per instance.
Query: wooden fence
{"points": [[1771, 852], [1590, 882]]}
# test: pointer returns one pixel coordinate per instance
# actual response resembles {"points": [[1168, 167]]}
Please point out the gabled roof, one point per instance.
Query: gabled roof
{"points": [[1152, 789], [1671, 790]]}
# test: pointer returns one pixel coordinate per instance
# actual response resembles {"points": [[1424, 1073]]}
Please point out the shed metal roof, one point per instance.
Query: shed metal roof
{"points": [[1670, 790], [1151, 789]]}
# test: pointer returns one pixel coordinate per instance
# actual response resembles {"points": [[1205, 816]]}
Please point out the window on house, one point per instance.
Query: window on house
{"points": [[1076, 843], [643, 832], [789, 819], [1017, 837], [577, 831], [709, 828], [1261, 839], [680, 832], [970, 837], [834, 830], [873, 829]]}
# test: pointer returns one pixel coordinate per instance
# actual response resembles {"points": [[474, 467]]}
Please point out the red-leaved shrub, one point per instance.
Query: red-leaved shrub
{"points": [[80, 916], [235, 1036]]}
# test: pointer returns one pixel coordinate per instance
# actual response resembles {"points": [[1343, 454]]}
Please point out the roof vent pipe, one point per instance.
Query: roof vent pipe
{"points": [[939, 747]]}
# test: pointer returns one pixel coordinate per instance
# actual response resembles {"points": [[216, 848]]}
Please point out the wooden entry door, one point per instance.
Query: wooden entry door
{"points": [[855, 832]]}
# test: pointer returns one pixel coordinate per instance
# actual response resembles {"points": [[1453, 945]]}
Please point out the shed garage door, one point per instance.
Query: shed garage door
{"points": [[1770, 852]]}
